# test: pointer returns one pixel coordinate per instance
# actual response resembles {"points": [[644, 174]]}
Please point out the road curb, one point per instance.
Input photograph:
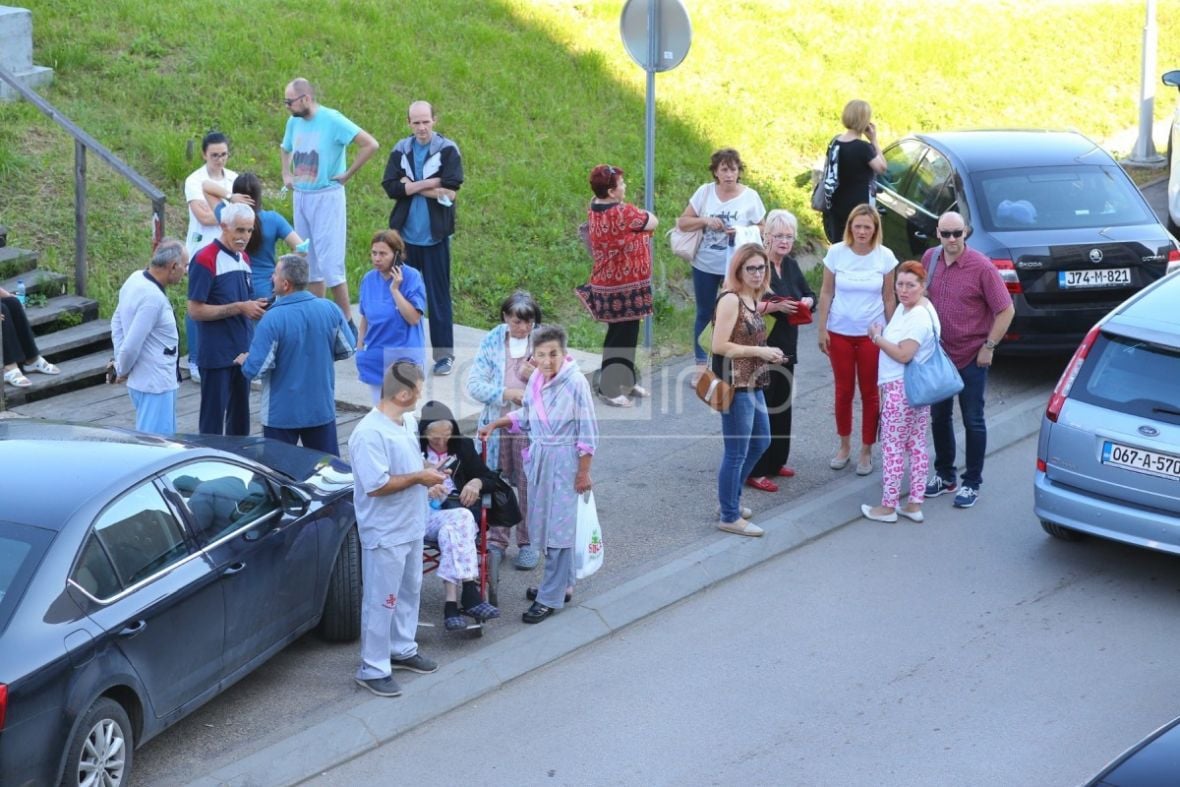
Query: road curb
{"points": [[373, 723]]}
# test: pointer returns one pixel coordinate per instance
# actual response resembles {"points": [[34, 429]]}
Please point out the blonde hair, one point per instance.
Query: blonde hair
{"points": [[863, 210], [856, 116], [743, 254]]}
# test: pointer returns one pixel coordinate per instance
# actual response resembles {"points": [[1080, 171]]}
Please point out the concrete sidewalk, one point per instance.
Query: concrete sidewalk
{"points": [[372, 722]]}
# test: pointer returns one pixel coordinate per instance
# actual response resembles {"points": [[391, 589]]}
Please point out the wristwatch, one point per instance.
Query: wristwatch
{"points": [[989, 344]]}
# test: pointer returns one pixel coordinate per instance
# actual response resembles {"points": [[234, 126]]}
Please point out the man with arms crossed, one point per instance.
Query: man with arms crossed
{"points": [[147, 344], [313, 152], [294, 349], [220, 299], [975, 310], [423, 173], [389, 496]]}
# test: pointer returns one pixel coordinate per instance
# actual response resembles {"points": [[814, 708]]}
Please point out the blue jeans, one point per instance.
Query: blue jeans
{"points": [[704, 289], [745, 430], [943, 428]]}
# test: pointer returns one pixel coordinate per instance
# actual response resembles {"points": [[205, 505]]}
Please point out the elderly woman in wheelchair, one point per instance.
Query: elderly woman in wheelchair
{"points": [[455, 510]]}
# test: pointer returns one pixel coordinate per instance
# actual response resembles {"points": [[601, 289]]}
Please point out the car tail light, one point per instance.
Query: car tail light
{"points": [[1061, 392], [3, 704], [1173, 260], [1008, 274], [1041, 466]]}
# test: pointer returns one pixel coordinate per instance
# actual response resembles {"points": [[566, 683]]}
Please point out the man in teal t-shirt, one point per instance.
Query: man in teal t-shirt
{"points": [[314, 166]]}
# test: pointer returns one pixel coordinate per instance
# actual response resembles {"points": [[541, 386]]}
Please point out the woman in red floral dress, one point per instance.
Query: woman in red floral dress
{"points": [[619, 292]]}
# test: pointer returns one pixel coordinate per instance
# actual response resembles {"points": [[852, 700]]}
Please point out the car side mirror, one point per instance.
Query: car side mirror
{"points": [[294, 504], [1171, 78]]}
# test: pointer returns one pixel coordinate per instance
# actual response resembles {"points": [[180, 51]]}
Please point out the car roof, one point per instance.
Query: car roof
{"points": [[49, 469], [986, 149], [1151, 315]]}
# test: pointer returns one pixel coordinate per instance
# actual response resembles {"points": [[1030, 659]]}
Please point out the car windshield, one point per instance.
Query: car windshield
{"points": [[1055, 198], [1133, 377], [21, 548]]}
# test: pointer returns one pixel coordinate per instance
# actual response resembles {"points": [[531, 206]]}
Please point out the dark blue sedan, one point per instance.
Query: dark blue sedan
{"points": [[1067, 229], [141, 576]]}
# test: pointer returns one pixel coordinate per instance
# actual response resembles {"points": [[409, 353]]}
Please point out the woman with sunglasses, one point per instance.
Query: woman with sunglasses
{"points": [[619, 292], [739, 344], [392, 300], [857, 291]]}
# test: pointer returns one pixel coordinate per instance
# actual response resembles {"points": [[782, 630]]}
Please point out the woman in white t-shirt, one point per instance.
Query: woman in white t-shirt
{"points": [[909, 337], [718, 209], [857, 291]]}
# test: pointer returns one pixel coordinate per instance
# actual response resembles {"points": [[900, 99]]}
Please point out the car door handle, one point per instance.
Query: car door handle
{"points": [[232, 569], [131, 629]]}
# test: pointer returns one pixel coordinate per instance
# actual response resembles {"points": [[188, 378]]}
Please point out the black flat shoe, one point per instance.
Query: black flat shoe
{"points": [[531, 594], [537, 612]]}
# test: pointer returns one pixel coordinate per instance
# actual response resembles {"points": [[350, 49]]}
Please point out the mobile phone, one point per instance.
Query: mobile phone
{"points": [[448, 463]]}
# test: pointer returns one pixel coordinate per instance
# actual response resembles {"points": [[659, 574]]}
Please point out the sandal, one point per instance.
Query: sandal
{"points": [[43, 366], [639, 392], [616, 401], [15, 377], [741, 528], [531, 594]]}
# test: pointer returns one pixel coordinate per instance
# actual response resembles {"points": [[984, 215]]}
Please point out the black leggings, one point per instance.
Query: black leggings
{"points": [[19, 344], [618, 358]]}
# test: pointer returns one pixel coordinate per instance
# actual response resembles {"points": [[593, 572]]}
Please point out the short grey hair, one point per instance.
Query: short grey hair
{"points": [[293, 268], [170, 251], [234, 211], [549, 332], [779, 218]]}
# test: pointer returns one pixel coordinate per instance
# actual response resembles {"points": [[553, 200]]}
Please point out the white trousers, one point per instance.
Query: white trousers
{"points": [[389, 606], [322, 217]]}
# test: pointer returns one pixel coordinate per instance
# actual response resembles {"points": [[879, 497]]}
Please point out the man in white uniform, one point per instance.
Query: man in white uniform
{"points": [[389, 496]]}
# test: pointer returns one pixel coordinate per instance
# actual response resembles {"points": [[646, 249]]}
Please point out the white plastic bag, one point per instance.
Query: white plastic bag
{"points": [[588, 547]]}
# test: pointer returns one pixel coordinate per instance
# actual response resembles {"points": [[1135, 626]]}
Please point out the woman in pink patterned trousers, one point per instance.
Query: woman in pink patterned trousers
{"points": [[910, 336]]}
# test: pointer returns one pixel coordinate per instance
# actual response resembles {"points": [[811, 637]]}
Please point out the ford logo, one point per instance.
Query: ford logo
{"points": [[1149, 431], [1095, 256]]}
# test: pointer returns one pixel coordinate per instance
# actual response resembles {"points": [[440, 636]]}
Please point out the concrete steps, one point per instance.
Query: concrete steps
{"points": [[76, 373]]}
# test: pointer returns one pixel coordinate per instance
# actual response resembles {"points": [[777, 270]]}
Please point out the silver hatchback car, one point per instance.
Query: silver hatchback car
{"points": [[1108, 457]]}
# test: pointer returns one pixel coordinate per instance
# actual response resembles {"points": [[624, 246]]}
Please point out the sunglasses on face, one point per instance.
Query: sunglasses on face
{"points": [[950, 233]]}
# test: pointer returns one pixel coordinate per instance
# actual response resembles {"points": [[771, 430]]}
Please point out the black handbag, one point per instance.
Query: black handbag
{"points": [[505, 510]]}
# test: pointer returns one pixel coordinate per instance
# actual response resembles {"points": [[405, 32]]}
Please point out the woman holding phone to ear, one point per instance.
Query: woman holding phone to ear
{"points": [[392, 300]]}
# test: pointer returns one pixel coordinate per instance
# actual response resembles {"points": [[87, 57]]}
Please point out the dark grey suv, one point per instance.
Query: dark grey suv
{"points": [[1069, 232], [1108, 457]]}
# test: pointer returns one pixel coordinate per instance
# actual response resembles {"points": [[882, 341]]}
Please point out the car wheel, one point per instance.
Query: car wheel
{"points": [[100, 751], [1057, 531], [341, 619]]}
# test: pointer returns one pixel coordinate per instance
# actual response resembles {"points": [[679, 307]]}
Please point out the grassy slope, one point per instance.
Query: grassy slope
{"points": [[536, 93]]}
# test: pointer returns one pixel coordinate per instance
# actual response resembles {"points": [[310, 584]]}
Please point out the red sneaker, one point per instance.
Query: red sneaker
{"points": [[764, 484], [786, 472]]}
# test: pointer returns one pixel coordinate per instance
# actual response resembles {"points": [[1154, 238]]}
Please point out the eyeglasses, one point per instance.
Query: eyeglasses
{"points": [[755, 269], [950, 233], [782, 237], [219, 155], [290, 101]]}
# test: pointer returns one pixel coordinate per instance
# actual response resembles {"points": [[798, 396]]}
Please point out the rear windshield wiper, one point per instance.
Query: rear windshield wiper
{"points": [[1165, 410]]}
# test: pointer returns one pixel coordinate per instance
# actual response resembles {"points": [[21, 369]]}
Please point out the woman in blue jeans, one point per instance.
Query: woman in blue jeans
{"points": [[739, 348]]}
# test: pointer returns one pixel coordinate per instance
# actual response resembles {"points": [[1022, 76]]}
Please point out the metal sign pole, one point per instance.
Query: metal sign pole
{"points": [[649, 154]]}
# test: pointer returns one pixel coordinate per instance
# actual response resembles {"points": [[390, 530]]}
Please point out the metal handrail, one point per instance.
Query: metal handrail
{"points": [[82, 141]]}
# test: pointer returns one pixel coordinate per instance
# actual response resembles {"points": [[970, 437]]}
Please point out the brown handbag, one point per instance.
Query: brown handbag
{"points": [[714, 391]]}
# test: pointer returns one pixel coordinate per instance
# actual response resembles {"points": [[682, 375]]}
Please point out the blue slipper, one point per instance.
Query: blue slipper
{"points": [[457, 623], [482, 611], [527, 558]]}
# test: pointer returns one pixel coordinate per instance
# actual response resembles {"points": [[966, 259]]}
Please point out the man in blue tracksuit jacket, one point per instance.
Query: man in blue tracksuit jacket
{"points": [[422, 175], [294, 350]]}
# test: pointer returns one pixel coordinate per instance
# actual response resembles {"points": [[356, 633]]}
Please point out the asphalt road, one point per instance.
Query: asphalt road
{"points": [[656, 490], [655, 485], [970, 650]]}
